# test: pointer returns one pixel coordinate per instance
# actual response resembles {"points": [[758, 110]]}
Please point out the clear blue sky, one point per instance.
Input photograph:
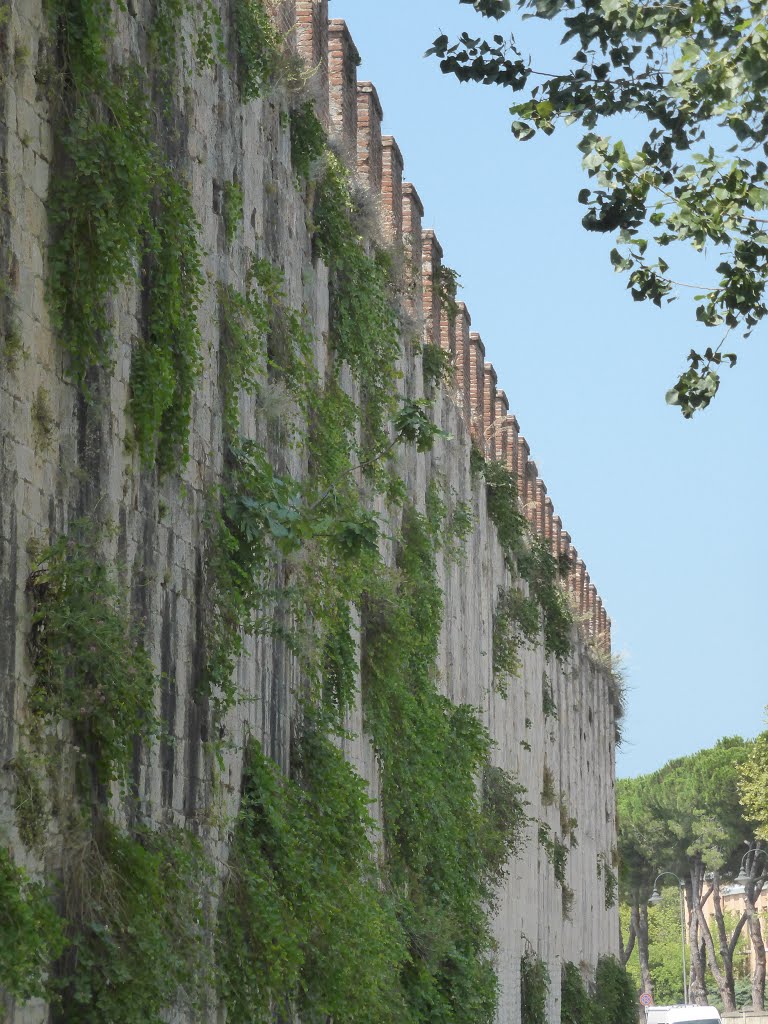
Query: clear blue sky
{"points": [[667, 513]]}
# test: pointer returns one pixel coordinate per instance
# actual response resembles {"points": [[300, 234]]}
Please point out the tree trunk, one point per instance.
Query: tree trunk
{"points": [[724, 977], [697, 986], [758, 974], [752, 892], [626, 951], [640, 921]]}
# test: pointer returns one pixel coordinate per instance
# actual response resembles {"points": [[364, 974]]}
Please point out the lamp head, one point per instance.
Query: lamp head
{"points": [[655, 898], [742, 878]]}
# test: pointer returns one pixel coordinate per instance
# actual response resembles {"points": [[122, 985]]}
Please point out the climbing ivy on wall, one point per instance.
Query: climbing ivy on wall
{"points": [[516, 621], [128, 943], [447, 842], [527, 556], [304, 920], [612, 1001], [447, 848], [91, 668], [534, 988], [134, 908], [315, 915], [33, 934], [115, 203]]}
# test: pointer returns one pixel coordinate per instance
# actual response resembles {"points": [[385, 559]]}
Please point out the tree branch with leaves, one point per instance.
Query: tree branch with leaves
{"points": [[694, 73]]}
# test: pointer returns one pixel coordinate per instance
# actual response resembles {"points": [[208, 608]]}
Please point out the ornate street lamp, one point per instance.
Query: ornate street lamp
{"points": [[656, 899]]}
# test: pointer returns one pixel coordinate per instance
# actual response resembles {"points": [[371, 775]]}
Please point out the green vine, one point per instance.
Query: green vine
{"points": [[364, 320], [166, 361], [576, 1007], [308, 141], [610, 880], [207, 39], [259, 48], [450, 519], [131, 903], [116, 204], [91, 668], [232, 210], [516, 621], [98, 207], [304, 921], [447, 849], [136, 947], [437, 366], [33, 934], [528, 555], [534, 989], [555, 850]]}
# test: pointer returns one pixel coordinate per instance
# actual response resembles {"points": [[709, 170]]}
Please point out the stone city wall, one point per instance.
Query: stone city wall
{"points": [[65, 453]]}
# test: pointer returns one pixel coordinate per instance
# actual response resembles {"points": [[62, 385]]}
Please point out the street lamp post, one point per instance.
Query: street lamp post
{"points": [[742, 878], [653, 901]]}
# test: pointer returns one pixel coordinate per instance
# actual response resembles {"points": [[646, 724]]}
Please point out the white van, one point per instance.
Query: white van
{"points": [[682, 1015]]}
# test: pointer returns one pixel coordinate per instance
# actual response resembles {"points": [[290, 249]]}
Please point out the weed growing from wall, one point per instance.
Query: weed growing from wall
{"points": [[33, 934], [437, 366], [615, 998], [528, 555], [30, 804], [43, 421], [534, 989], [259, 48], [364, 321], [308, 141], [575, 1004], [548, 792], [12, 344], [516, 621], [446, 289], [548, 703], [568, 823], [135, 941], [166, 361], [115, 203], [556, 851], [610, 880], [304, 921], [232, 209], [91, 668], [446, 851]]}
